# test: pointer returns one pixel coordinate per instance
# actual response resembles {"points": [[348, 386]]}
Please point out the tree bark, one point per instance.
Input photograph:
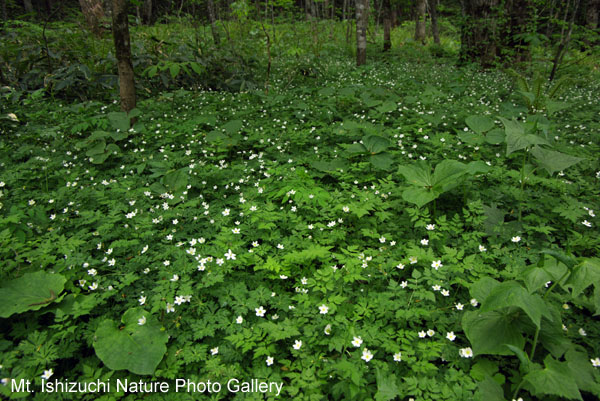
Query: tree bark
{"points": [[420, 31], [434, 25], [147, 12], [213, 22], [3, 6], [123, 54], [28, 6], [387, 25], [94, 13], [361, 31], [591, 15]]}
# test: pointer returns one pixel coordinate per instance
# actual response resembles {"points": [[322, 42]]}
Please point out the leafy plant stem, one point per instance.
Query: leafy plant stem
{"points": [[521, 195], [534, 344], [514, 396]]}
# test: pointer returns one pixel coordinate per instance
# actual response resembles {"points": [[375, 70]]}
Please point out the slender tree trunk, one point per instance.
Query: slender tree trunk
{"points": [[479, 36], [147, 12], [387, 25], [420, 31], [591, 15], [94, 13], [434, 25], [28, 6], [394, 17], [213, 22], [123, 54], [361, 31], [562, 47], [4, 14]]}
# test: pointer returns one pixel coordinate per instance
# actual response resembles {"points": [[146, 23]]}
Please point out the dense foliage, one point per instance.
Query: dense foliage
{"points": [[407, 229]]}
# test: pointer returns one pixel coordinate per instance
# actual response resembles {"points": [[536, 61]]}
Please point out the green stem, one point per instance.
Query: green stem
{"points": [[522, 185], [535, 340], [514, 397]]}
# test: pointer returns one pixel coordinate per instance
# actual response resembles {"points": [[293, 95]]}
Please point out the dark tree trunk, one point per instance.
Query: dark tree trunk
{"points": [[3, 6], [434, 25], [394, 17], [591, 15], [420, 27], [123, 54], [147, 12], [28, 6], [94, 13], [564, 43], [479, 36], [213, 22], [387, 25], [520, 16], [361, 31]]}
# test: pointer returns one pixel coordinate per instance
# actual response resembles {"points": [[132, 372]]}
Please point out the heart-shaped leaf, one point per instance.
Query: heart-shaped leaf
{"points": [[31, 291]]}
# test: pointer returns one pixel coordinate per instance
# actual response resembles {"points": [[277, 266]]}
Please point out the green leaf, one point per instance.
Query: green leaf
{"points": [[31, 291], [417, 174], [447, 174], [356, 148], [480, 124], [535, 278], [97, 149], [174, 70], [583, 371], [482, 288], [489, 332], [489, 390], [418, 196], [555, 379], [554, 106], [552, 161], [176, 180], [525, 362], [119, 120], [233, 126], [375, 144], [387, 387], [511, 293], [137, 348], [495, 136], [584, 275], [517, 137], [382, 161], [387, 107]]}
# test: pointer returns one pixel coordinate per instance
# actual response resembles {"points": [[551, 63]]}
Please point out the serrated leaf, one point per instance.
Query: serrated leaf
{"points": [[119, 120], [447, 174], [375, 143], [387, 386], [479, 124], [418, 196], [32, 291], [489, 390], [176, 180], [518, 138], [583, 371], [511, 293], [382, 161], [418, 174], [552, 161], [134, 347], [495, 136], [489, 332], [482, 288], [356, 148], [555, 379], [233, 126], [387, 107], [584, 275]]}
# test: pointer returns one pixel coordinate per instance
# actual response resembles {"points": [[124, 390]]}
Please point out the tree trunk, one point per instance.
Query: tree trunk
{"points": [[387, 25], [420, 33], [479, 36], [213, 22], [564, 43], [434, 25], [4, 14], [361, 31], [591, 15], [123, 54], [94, 13], [520, 15], [147, 12], [28, 6]]}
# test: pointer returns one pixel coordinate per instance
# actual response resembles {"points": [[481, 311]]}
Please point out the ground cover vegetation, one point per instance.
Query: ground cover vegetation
{"points": [[421, 227]]}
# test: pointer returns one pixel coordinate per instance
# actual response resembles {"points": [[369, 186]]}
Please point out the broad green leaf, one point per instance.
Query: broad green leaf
{"points": [[98, 135], [484, 367], [375, 144], [418, 196], [387, 386], [97, 149], [306, 255], [470, 138], [535, 278], [356, 148], [233, 126], [552, 161], [382, 161], [482, 288], [583, 371], [511, 293], [480, 124], [552, 335], [584, 275], [31, 291], [176, 180], [119, 120], [447, 175], [327, 166], [215, 136], [489, 390], [174, 69], [523, 358], [418, 174], [477, 167], [597, 300], [495, 136], [518, 138], [554, 106], [489, 332], [555, 379], [387, 107], [135, 347]]}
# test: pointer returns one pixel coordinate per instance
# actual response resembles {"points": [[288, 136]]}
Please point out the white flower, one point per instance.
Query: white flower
{"points": [[595, 362], [270, 360], [327, 329], [47, 374], [179, 300], [424, 242], [260, 311], [430, 227], [366, 355], [450, 336], [482, 248], [586, 223], [474, 302], [515, 239], [466, 352], [31, 202], [323, 309], [230, 255], [225, 212], [422, 334], [93, 286], [92, 272], [404, 284], [400, 266], [145, 249], [235, 230], [412, 260], [142, 300], [214, 351], [112, 262], [430, 333], [582, 332], [142, 321], [166, 263], [175, 277], [346, 209], [357, 341], [382, 240], [397, 357], [436, 264], [279, 246], [170, 308], [459, 306], [297, 344]]}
